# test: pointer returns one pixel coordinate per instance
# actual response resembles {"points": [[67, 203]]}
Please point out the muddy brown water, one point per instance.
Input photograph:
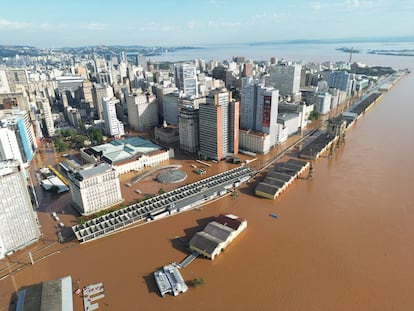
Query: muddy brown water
{"points": [[343, 241]]}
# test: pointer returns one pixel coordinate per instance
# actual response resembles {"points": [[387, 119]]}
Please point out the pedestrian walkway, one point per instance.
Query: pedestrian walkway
{"points": [[189, 259]]}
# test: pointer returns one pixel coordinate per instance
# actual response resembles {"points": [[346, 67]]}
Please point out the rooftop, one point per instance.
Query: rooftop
{"points": [[89, 171], [125, 149]]}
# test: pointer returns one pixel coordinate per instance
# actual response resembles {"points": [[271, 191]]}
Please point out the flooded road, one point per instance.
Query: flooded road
{"points": [[343, 240]]}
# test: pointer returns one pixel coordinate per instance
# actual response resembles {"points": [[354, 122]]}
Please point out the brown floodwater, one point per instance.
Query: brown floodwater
{"points": [[343, 241]]}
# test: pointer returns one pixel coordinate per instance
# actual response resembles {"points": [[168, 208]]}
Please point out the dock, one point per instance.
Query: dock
{"points": [[170, 281], [280, 178], [91, 294]]}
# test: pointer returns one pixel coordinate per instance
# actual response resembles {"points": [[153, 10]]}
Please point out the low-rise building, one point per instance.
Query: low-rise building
{"points": [[126, 155], [167, 134], [217, 235], [291, 121], [48, 295], [254, 141]]}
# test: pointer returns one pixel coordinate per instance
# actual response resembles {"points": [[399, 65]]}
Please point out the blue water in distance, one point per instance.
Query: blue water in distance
{"points": [[303, 52]]}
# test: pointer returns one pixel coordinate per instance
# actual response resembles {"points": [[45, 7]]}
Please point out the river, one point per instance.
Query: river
{"points": [[343, 240]]}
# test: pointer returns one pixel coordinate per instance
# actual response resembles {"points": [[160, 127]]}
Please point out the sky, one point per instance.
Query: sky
{"points": [[71, 23]]}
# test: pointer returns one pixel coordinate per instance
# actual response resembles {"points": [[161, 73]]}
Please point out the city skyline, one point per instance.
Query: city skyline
{"points": [[74, 23]]}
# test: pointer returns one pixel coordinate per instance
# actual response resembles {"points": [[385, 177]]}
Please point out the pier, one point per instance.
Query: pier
{"points": [[280, 178], [189, 259], [169, 203]]}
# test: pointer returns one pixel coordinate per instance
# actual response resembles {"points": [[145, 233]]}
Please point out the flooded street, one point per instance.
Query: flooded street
{"points": [[343, 240]]}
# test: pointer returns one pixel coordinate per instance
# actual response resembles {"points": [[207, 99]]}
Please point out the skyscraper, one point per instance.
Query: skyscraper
{"points": [[258, 108], [219, 126], [44, 105], [185, 79], [285, 78], [113, 127], [189, 129], [19, 225], [142, 111], [17, 139], [341, 80], [100, 91]]}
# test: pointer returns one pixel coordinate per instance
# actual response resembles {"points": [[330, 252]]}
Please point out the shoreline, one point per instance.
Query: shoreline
{"points": [[185, 220]]}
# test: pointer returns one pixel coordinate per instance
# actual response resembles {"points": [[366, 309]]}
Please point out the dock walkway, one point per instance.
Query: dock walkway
{"points": [[187, 260]]}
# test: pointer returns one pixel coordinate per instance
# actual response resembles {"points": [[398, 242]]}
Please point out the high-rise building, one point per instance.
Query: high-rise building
{"points": [[341, 80], [17, 139], [94, 187], [142, 111], [4, 84], [189, 129], [19, 225], [258, 108], [285, 78], [141, 61], [44, 105], [17, 79], [113, 127], [100, 91], [185, 78], [86, 92], [219, 126]]}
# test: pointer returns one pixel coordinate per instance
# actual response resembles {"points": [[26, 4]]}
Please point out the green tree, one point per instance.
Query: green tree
{"points": [[161, 191], [314, 115], [79, 141], [96, 135], [60, 145]]}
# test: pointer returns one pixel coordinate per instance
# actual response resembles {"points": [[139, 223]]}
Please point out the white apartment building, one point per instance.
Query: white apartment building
{"points": [[100, 91], [113, 127], [17, 139], [185, 78], [9, 147], [44, 105], [19, 226], [94, 188], [142, 111]]}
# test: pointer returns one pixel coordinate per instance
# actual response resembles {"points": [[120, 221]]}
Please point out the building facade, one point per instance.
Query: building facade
{"points": [[94, 187], [219, 126], [185, 79], [44, 105], [142, 111], [17, 140], [113, 127], [126, 155], [189, 129], [19, 225], [99, 91], [285, 78], [259, 108]]}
